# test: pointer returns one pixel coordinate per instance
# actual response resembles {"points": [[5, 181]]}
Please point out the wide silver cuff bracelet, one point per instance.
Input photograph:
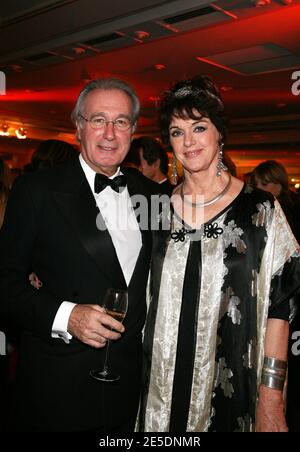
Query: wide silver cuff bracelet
{"points": [[273, 373]]}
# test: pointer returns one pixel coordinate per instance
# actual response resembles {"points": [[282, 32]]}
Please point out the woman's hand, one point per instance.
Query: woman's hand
{"points": [[34, 281], [270, 409]]}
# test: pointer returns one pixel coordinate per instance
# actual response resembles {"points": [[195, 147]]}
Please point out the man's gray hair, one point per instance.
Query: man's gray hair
{"points": [[105, 84]]}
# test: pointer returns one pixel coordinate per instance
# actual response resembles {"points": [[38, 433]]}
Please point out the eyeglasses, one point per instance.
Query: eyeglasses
{"points": [[99, 123]]}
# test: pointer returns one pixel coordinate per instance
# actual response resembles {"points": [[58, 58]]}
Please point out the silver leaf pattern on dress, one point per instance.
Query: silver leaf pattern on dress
{"points": [[250, 358], [264, 215], [232, 236], [253, 283], [229, 305], [223, 374], [245, 424]]}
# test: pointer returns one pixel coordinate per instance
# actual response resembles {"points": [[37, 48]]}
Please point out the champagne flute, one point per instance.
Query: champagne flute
{"points": [[115, 303]]}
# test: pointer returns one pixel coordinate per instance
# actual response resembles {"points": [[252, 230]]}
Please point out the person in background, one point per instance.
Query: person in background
{"points": [[13, 174], [132, 159], [153, 162], [132, 162], [4, 191], [271, 176], [247, 177], [4, 356], [63, 224], [50, 153], [222, 274]]}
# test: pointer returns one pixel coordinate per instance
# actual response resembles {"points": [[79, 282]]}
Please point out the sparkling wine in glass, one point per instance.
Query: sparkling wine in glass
{"points": [[115, 303]]}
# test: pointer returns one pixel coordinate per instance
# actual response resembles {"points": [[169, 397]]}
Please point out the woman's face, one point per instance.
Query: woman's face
{"points": [[195, 143], [271, 187]]}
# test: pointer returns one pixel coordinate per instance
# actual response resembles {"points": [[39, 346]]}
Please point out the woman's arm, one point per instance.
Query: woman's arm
{"points": [[270, 410]]}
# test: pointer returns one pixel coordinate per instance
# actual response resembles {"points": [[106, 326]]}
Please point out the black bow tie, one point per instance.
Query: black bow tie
{"points": [[102, 181]]}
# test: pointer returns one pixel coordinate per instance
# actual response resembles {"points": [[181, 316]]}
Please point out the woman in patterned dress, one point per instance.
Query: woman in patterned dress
{"points": [[223, 271]]}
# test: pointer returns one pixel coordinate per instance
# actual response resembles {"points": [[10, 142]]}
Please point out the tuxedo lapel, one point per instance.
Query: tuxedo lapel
{"points": [[77, 204]]}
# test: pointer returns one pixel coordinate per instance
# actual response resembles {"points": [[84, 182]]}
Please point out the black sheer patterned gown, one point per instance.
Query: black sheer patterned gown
{"points": [[209, 301]]}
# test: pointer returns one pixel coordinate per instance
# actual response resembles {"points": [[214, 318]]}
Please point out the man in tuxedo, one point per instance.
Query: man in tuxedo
{"points": [[52, 228]]}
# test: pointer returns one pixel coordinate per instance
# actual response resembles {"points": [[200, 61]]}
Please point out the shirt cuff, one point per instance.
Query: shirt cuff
{"points": [[60, 324]]}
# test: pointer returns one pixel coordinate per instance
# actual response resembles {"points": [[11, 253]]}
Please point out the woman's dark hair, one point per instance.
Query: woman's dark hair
{"points": [[275, 172], [189, 99], [51, 153], [271, 171]]}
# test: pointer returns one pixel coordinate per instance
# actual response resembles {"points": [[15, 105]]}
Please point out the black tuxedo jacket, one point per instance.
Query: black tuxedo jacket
{"points": [[50, 228], [166, 188]]}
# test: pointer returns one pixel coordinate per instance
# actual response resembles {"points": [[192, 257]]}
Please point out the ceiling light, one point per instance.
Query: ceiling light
{"points": [[4, 130], [140, 34], [259, 3], [78, 50], [21, 133], [160, 67]]}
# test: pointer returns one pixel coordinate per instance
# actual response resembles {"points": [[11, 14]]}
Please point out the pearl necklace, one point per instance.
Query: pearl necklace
{"points": [[211, 201]]}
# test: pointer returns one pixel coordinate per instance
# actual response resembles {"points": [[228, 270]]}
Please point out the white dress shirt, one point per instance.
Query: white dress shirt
{"points": [[118, 214]]}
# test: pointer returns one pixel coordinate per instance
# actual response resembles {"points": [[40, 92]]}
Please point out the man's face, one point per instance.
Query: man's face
{"points": [[148, 170], [104, 149]]}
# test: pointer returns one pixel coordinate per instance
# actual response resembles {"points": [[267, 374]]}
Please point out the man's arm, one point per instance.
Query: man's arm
{"points": [[270, 410]]}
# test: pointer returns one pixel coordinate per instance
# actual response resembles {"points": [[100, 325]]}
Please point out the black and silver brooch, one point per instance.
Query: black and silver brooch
{"points": [[210, 230]]}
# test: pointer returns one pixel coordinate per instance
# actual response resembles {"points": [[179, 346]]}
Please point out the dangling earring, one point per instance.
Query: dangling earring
{"points": [[174, 170], [220, 165]]}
